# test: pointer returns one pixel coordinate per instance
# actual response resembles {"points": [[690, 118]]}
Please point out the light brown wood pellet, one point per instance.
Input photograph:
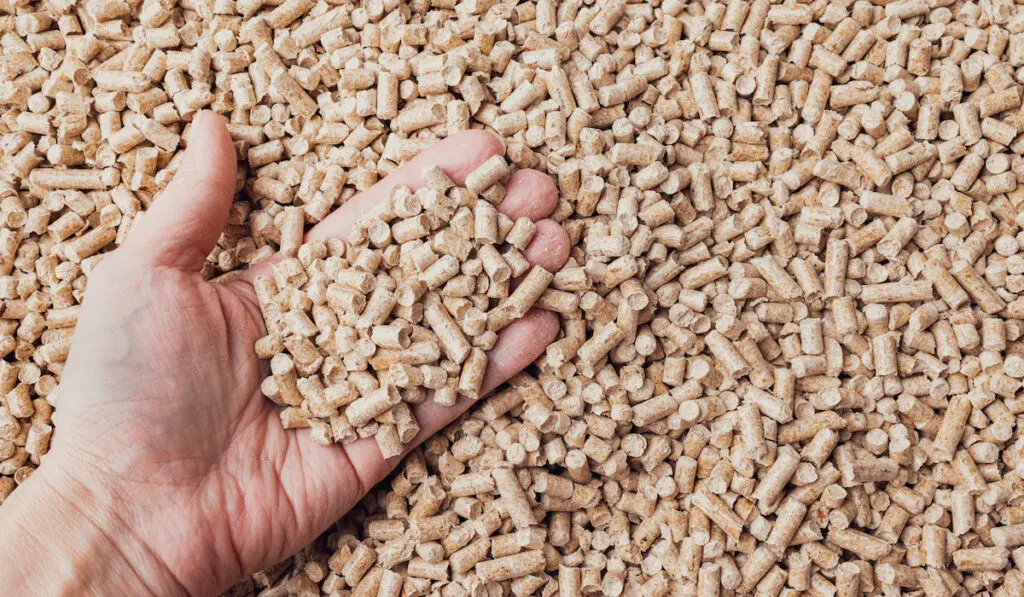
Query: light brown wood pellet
{"points": [[791, 350]]}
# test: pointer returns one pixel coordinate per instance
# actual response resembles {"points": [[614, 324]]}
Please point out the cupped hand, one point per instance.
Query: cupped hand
{"points": [[165, 446]]}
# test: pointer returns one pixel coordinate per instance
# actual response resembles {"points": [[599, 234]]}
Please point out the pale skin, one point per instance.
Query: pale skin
{"points": [[170, 473]]}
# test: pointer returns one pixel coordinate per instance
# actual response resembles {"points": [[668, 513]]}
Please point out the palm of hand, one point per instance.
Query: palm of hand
{"points": [[167, 418], [195, 438]]}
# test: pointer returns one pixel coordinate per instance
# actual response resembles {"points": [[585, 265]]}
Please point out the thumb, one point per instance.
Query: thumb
{"points": [[182, 225]]}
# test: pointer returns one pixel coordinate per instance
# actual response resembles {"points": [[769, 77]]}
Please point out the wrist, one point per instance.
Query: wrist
{"points": [[65, 537]]}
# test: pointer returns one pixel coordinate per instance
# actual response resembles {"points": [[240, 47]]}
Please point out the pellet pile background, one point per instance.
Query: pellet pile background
{"points": [[795, 364]]}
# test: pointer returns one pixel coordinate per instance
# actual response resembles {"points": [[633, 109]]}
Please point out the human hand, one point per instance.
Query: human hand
{"points": [[170, 472]]}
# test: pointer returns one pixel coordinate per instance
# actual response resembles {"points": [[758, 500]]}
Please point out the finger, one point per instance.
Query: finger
{"points": [[457, 155], [549, 247], [184, 222], [519, 344], [532, 194], [529, 194]]}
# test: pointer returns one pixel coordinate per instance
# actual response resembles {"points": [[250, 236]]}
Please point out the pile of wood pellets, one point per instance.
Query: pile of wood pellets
{"points": [[429, 257], [794, 364]]}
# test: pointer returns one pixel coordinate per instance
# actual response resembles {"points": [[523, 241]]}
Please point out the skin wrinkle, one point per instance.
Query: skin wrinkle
{"points": [[237, 551], [206, 565], [105, 534], [237, 483], [229, 346]]}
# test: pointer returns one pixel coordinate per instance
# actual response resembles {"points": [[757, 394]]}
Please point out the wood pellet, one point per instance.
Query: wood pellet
{"points": [[790, 358]]}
